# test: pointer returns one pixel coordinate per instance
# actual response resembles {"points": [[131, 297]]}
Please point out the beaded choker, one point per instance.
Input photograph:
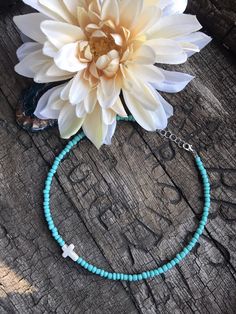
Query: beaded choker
{"points": [[68, 250]]}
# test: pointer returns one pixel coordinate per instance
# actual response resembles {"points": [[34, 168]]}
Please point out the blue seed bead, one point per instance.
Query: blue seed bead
{"points": [[79, 260], [122, 277], [90, 267], [50, 226], [179, 257], [135, 277], [83, 263], [118, 276], [98, 271], [61, 242], [169, 266], [110, 276], [176, 260], [130, 278], [189, 247], [152, 274], [114, 277], [156, 272], [185, 251], [144, 275], [165, 268], [105, 275], [148, 274], [56, 237], [173, 263], [140, 277], [102, 273], [182, 254], [161, 270], [126, 277]]}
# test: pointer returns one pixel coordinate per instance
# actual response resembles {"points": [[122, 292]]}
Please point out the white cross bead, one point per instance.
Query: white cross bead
{"points": [[68, 251]]}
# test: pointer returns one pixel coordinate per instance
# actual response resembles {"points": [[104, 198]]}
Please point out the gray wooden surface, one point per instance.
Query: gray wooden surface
{"points": [[128, 207]]}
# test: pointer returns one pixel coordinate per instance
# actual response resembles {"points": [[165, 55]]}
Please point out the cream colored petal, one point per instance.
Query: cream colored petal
{"points": [[149, 17], [49, 49], [55, 71], [27, 49], [94, 127], [149, 73], [110, 132], [198, 39], [144, 55], [31, 64], [60, 34], [108, 116], [29, 24], [58, 7], [130, 10], [110, 11], [174, 7], [82, 17], [112, 68], [80, 110], [119, 108], [175, 26], [173, 82], [117, 39], [149, 120], [49, 105], [168, 51], [90, 101], [69, 124], [66, 91], [72, 6], [108, 91], [79, 89], [37, 6], [67, 59], [102, 62], [41, 75]]}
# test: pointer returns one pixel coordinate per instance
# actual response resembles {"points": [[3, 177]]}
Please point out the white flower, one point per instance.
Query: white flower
{"points": [[103, 48]]}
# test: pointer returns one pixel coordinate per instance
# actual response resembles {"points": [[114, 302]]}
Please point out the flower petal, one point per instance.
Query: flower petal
{"points": [[60, 34], [94, 128], [108, 92], [58, 7], [174, 7], [175, 26], [66, 58], [68, 122], [110, 132], [167, 51], [27, 49], [110, 11], [79, 89], [31, 64], [29, 24], [144, 55], [37, 6], [174, 82], [46, 108], [149, 120], [198, 39], [148, 18], [130, 10]]}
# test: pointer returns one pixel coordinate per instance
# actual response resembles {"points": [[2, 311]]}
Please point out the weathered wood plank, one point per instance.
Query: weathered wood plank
{"points": [[127, 207], [219, 17]]}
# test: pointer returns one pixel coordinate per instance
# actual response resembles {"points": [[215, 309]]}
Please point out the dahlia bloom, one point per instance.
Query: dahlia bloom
{"points": [[100, 50]]}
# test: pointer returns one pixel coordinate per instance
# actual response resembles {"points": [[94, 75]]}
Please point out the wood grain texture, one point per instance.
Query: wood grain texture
{"points": [[219, 17], [128, 207]]}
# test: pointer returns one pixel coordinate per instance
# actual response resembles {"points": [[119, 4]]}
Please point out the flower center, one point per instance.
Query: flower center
{"points": [[100, 46]]}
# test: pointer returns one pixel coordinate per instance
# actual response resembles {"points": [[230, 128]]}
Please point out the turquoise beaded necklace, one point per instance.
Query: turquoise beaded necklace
{"points": [[68, 250]]}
